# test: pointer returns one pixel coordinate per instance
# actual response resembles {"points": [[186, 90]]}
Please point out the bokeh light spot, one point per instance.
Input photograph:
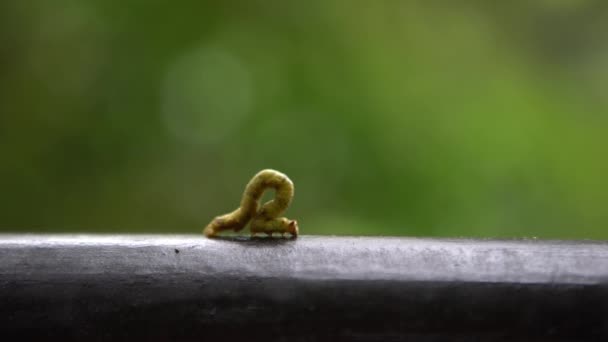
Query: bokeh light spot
{"points": [[206, 96]]}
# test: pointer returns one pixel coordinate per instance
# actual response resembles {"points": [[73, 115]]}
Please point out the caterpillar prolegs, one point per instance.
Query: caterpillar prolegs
{"points": [[264, 218]]}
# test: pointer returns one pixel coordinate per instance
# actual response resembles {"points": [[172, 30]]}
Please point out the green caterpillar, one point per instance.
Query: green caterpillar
{"points": [[264, 219]]}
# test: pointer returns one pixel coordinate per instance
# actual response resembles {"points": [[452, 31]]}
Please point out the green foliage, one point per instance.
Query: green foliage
{"points": [[392, 118]]}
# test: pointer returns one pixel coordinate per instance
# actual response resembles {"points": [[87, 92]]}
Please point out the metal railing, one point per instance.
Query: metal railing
{"points": [[155, 287]]}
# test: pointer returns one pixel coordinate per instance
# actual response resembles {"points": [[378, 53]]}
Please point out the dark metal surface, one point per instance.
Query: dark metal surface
{"points": [[100, 287]]}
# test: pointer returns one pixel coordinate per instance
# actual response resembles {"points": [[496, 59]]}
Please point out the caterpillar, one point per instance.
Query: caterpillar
{"points": [[265, 218]]}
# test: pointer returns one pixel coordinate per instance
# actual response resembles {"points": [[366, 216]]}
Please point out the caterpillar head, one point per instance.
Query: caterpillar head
{"points": [[292, 228]]}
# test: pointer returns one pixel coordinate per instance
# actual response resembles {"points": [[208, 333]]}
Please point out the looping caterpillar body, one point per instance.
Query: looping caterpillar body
{"points": [[264, 219]]}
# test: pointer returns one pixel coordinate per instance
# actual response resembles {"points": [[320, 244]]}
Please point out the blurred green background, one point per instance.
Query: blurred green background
{"points": [[423, 118]]}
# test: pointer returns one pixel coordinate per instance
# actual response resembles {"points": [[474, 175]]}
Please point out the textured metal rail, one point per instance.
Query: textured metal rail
{"points": [[119, 287]]}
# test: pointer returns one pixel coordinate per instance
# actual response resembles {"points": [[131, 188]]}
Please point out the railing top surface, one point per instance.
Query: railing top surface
{"points": [[312, 257]]}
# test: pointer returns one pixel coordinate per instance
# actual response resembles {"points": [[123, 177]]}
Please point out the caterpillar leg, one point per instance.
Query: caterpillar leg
{"points": [[279, 225]]}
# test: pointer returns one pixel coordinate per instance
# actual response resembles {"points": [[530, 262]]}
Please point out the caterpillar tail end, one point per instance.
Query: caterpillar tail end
{"points": [[209, 231]]}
